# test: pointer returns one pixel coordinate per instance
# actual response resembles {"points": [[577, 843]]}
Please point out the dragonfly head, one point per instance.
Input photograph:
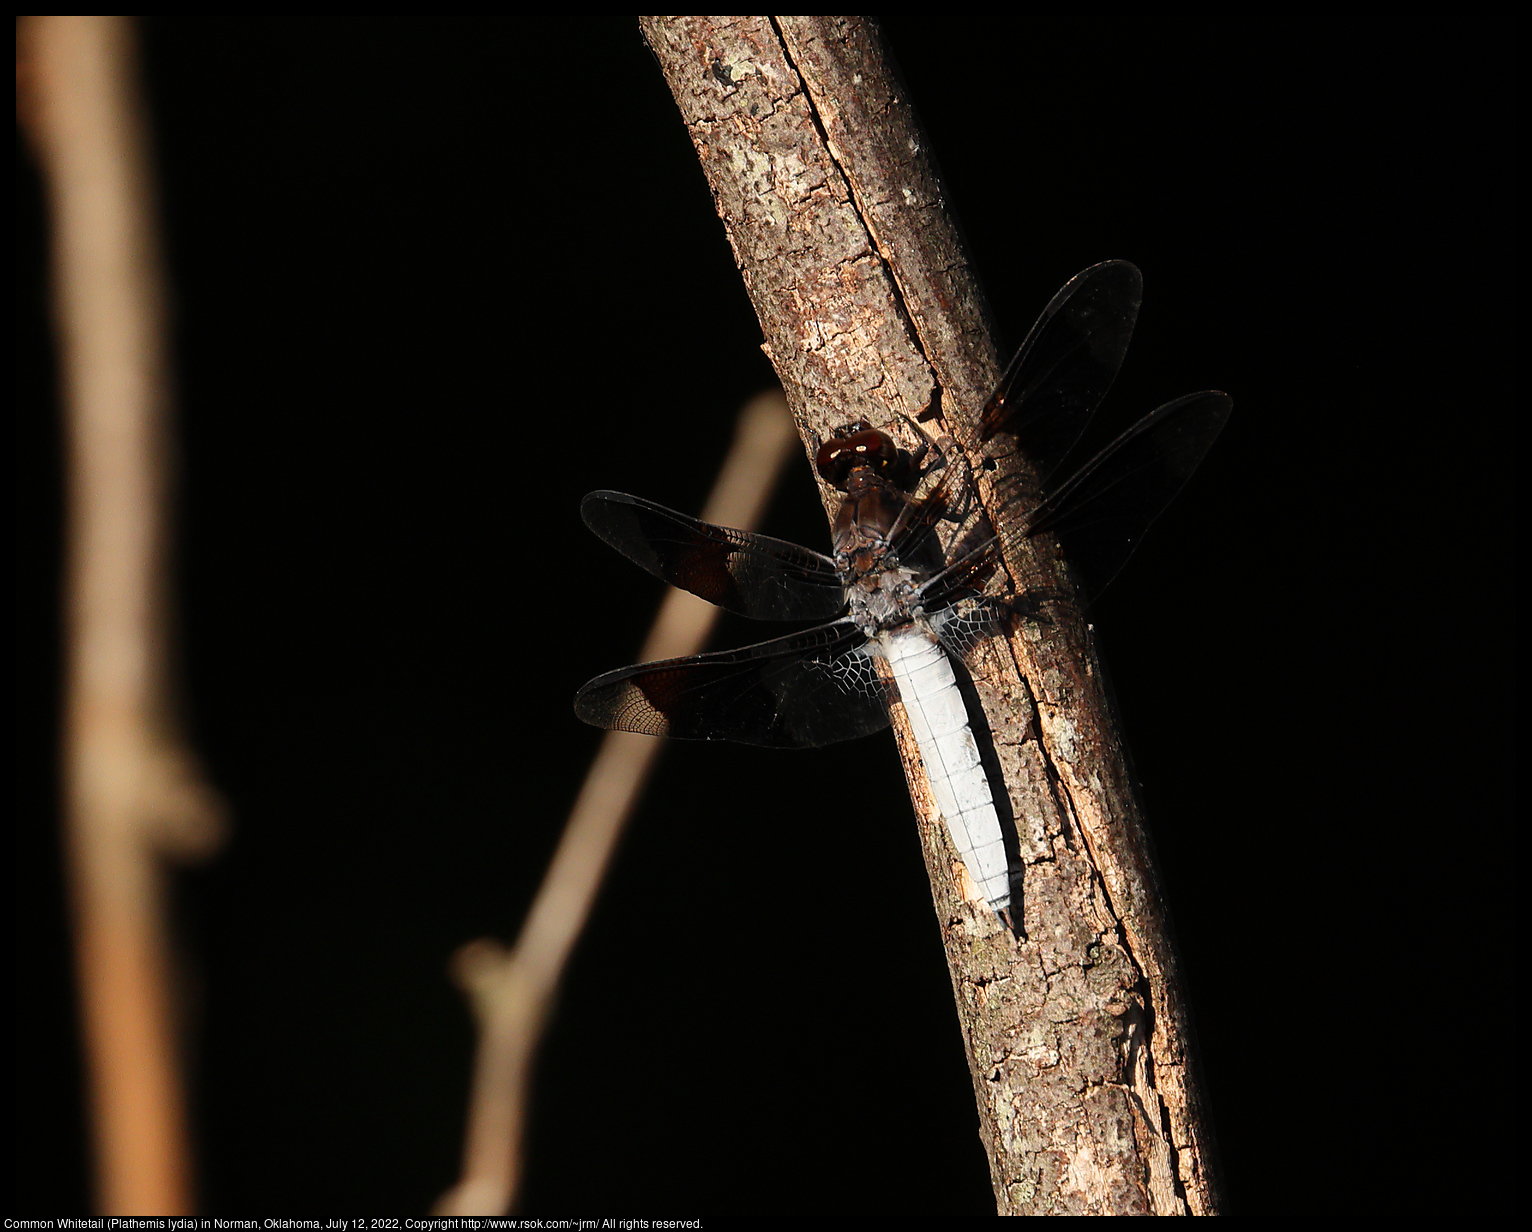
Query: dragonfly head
{"points": [[860, 455]]}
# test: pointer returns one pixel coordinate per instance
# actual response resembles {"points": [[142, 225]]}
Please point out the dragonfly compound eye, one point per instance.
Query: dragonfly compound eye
{"points": [[869, 448]]}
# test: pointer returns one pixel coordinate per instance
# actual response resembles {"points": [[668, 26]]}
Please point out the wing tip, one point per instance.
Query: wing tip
{"points": [[613, 702]]}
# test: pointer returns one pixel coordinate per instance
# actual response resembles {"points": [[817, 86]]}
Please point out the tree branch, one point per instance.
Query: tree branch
{"points": [[1075, 1030], [512, 991], [133, 791]]}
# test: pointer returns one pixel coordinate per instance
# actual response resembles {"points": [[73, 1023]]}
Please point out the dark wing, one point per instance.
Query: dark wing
{"points": [[767, 579], [1103, 510], [817, 687], [915, 532], [1067, 363]]}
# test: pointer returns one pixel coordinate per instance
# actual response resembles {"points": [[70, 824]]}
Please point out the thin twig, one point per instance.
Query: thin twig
{"points": [[132, 791], [512, 990]]}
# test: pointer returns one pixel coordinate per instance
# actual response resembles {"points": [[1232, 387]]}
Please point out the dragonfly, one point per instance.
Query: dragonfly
{"points": [[903, 597]]}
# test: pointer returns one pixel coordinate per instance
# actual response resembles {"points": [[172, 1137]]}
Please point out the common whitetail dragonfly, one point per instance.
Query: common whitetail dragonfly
{"points": [[901, 607]]}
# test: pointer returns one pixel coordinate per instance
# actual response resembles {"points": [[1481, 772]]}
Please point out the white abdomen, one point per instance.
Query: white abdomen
{"points": [[939, 720]]}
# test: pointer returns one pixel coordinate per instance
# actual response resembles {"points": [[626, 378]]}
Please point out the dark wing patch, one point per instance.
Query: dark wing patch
{"points": [[756, 576], [817, 687]]}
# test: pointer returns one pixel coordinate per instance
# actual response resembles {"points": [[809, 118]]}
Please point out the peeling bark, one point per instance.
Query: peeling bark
{"points": [[1075, 1026]]}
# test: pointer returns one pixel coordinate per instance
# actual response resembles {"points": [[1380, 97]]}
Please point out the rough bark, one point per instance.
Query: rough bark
{"points": [[1075, 1025]]}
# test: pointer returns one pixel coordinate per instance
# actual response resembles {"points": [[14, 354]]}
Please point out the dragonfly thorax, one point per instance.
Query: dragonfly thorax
{"points": [[867, 517], [885, 597]]}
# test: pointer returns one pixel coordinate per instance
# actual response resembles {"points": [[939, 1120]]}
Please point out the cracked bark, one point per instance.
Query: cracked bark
{"points": [[1075, 1030]]}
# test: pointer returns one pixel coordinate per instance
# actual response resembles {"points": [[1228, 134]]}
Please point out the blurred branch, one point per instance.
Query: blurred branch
{"points": [[132, 790], [512, 991]]}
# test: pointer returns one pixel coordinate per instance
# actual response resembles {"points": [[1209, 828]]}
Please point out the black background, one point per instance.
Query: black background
{"points": [[436, 279]]}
